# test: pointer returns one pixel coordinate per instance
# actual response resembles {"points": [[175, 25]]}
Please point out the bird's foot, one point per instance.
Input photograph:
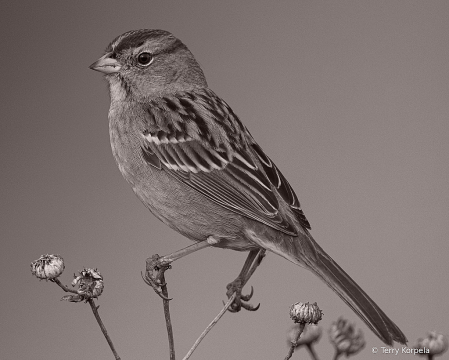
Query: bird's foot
{"points": [[241, 301], [154, 274]]}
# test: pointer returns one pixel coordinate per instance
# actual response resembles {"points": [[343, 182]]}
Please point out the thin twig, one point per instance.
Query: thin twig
{"points": [[166, 302], [166, 299], [158, 281], [63, 287], [102, 327], [210, 326], [96, 314], [294, 342], [226, 306]]}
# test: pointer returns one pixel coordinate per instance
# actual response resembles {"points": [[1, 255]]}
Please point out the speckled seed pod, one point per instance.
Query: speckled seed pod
{"points": [[90, 283], [47, 266], [305, 313], [98, 288]]}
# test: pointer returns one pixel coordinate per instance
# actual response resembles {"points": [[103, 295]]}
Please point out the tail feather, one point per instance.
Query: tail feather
{"points": [[353, 295], [308, 253]]}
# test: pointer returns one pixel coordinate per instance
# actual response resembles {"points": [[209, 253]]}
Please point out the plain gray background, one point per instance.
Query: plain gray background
{"points": [[349, 98]]}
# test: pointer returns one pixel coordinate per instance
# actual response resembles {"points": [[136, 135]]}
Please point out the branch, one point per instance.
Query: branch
{"points": [[102, 327], [210, 326], [167, 316], [294, 342], [96, 314], [63, 287]]}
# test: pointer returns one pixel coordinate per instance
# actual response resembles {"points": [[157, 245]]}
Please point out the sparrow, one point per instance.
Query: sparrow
{"points": [[197, 168]]}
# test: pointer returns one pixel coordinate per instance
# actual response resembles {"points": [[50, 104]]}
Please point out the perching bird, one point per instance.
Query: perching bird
{"points": [[195, 166]]}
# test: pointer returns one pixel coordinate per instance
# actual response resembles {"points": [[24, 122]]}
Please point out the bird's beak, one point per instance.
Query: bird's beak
{"points": [[106, 64]]}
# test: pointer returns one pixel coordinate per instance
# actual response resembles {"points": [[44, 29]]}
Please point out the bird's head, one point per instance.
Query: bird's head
{"points": [[149, 63]]}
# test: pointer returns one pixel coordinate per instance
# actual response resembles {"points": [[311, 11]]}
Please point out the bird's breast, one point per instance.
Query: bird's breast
{"points": [[174, 203]]}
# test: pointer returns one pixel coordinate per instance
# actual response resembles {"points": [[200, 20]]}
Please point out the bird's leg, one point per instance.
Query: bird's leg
{"points": [[157, 265], [251, 263]]}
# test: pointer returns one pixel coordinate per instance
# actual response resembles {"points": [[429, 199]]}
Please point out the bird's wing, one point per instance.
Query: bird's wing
{"points": [[199, 141]]}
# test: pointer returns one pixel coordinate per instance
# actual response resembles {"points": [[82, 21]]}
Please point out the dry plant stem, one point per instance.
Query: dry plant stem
{"points": [[166, 304], [63, 287], [258, 258], [210, 326], [312, 352], [337, 355], [96, 314], [293, 343], [161, 264], [430, 356], [102, 327]]}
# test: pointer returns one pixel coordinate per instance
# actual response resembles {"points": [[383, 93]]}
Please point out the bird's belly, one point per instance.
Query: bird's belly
{"points": [[189, 212], [179, 206]]}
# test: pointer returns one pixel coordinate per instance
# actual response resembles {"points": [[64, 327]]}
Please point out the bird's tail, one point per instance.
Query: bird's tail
{"points": [[308, 253]]}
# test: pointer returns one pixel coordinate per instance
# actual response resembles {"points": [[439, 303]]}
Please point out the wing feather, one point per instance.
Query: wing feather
{"points": [[205, 146]]}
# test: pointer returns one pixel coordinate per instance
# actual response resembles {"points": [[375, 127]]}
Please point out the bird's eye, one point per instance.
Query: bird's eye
{"points": [[144, 59]]}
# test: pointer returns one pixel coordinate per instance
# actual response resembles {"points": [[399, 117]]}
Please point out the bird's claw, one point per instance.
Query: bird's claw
{"points": [[240, 300], [247, 297], [154, 273], [234, 308]]}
